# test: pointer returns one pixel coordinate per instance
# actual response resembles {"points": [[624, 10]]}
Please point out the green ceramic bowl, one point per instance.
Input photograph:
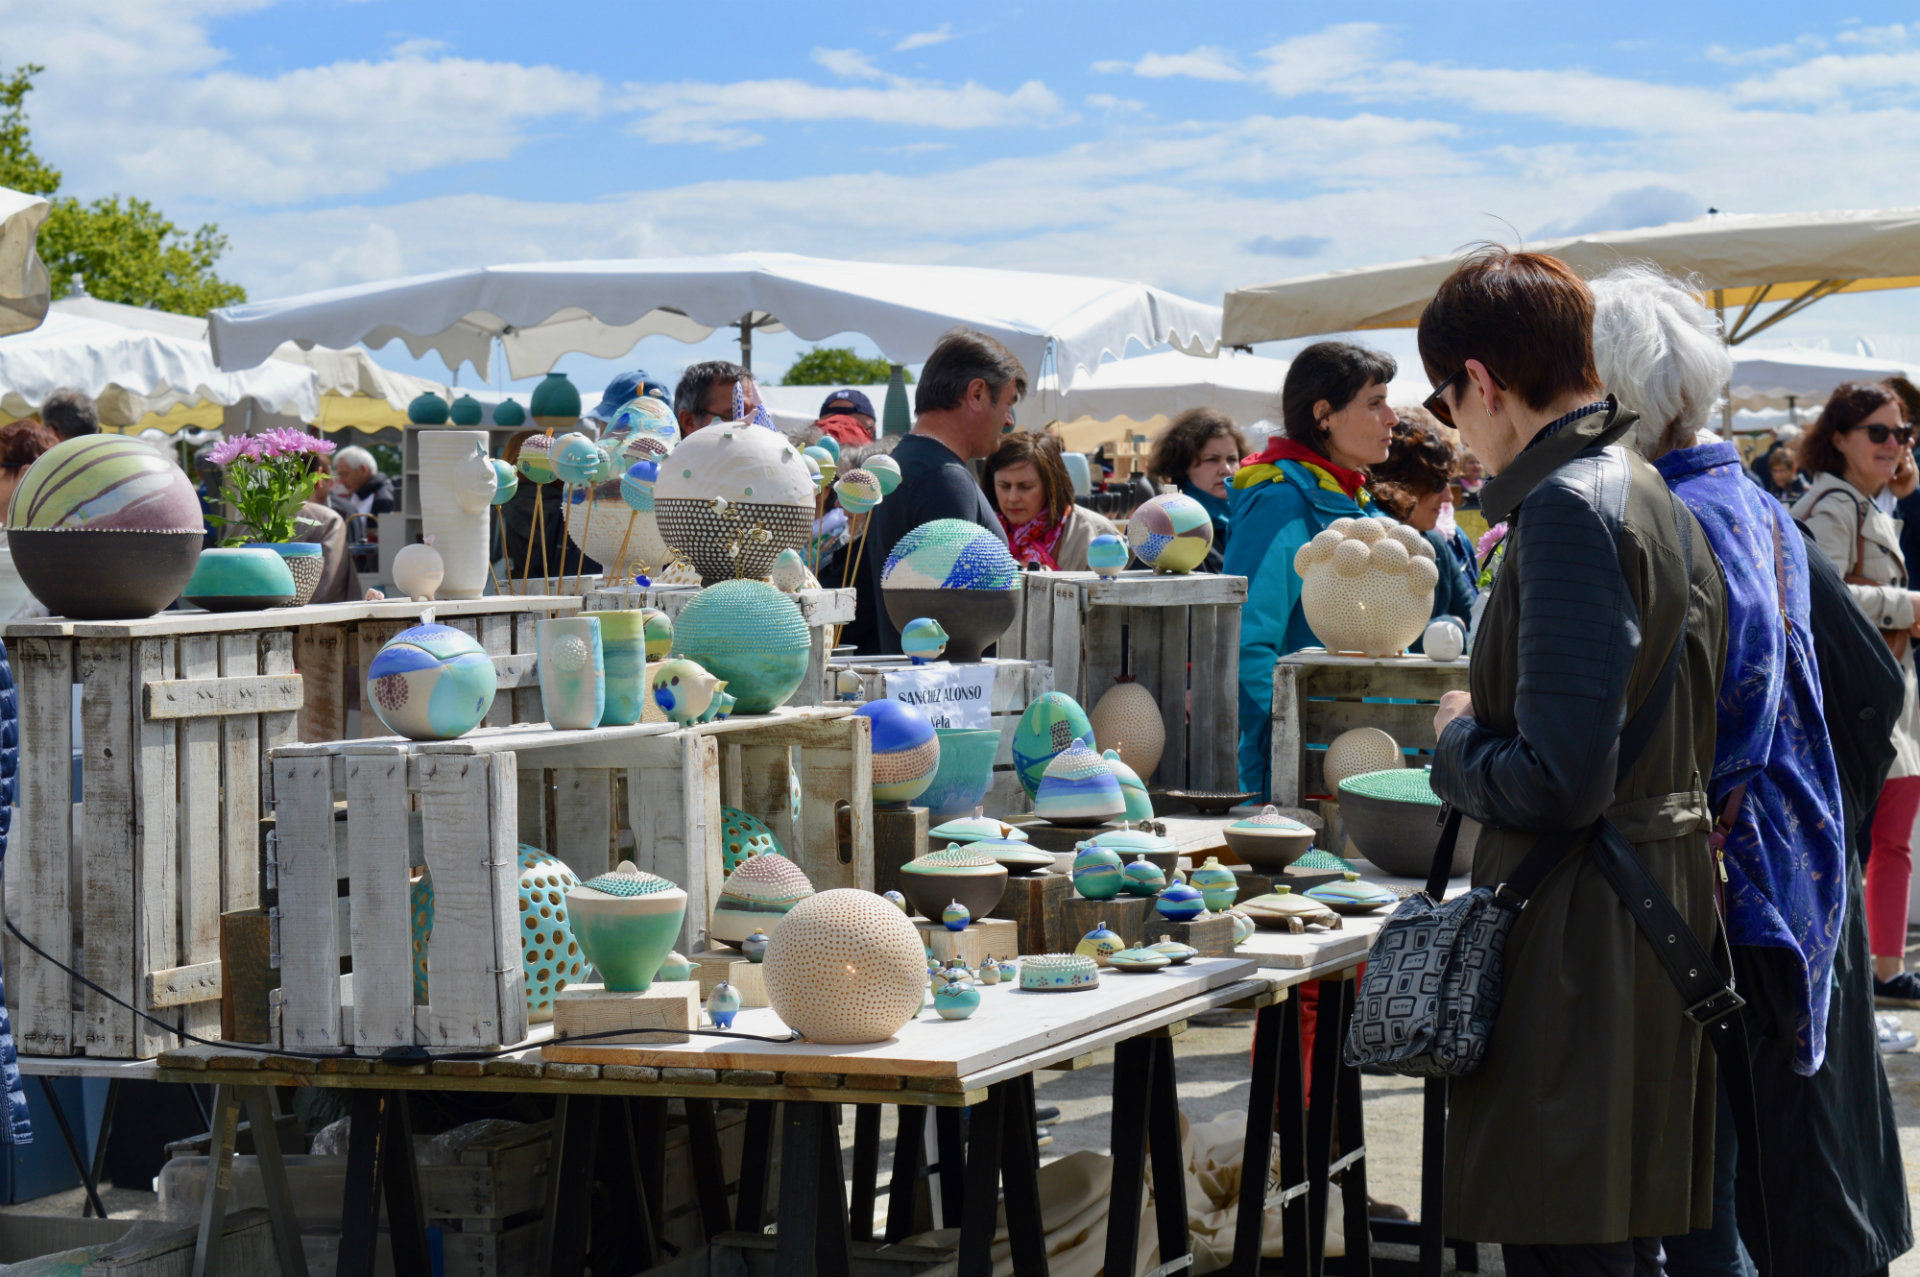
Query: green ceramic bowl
{"points": [[239, 580]]}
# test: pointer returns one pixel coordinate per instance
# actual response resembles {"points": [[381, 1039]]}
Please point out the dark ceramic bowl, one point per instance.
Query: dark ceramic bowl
{"points": [[1400, 837], [104, 576], [930, 894], [973, 619], [1207, 802]]}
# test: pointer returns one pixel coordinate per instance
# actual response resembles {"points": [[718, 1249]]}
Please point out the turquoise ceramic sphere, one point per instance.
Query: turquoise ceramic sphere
{"points": [[956, 999], [1180, 902], [506, 482], [575, 459], [906, 752], [1053, 722], [743, 837], [636, 486], [749, 634], [923, 639], [431, 682], [1097, 873], [239, 579], [1143, 878], [1107, 554], [950, 554]]}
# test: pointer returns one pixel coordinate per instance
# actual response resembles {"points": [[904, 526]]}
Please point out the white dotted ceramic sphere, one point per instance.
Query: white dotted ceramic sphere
{"points": [[1444, 640], [1359, 751], [1127, 720], [1367, 585], [845, 967]]}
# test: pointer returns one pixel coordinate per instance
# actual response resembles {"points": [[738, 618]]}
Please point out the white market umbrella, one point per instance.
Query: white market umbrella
{"points": [[1150, 388], [543, 310], [1740, 261], [24, 287], [1769, 378], [136, 377]]}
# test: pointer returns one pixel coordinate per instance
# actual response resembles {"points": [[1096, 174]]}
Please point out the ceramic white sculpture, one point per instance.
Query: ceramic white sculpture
{"points": [[1367, 585], [418, 571], [475, 481], [1444, 640], [449, 476], [845, 967]]}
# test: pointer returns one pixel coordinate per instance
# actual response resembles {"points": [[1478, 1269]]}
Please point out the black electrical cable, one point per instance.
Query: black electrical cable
{"points": [[392, 1055]]}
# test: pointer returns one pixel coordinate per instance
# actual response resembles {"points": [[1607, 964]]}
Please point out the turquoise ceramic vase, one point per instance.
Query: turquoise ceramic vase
{"points": [[626, 922], [573, 671], [623, 647], [965, 772], [239, 579]]}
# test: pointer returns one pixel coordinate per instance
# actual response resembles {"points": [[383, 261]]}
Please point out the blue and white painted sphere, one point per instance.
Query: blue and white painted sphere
{"points": [[885, 469], [1097, 872], [955, 917], [906, 751], [431, 682], [506, 481], [1179, 902], [950, 554], [636, 486]]}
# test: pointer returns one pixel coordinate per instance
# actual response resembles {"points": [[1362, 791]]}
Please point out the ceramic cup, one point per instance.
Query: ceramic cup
{"points": [[573, 671], [623, 645]]}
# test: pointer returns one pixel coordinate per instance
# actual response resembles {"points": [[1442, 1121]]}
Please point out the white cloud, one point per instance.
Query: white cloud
{"points": [[1878, 37], [1324, 59], [1115, 105], [922, 39], [1204, 63], [849, 64], [717, 114], [419, 47]]}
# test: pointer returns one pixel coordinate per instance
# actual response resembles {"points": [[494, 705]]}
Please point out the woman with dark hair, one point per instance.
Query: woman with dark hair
{"points": [[1411, 485], [1029, 488], [1197, 454], [21, 443], [1860, 453], [1333, 409]]}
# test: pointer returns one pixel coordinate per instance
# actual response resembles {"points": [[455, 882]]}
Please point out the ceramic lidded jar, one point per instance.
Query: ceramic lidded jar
{"points": [[845, 967], [959, 574], [956, 1000], [1170, 533], [1020, 858], [1174, 951], [627, 921], [730, 498], [976, 828], [1143, 878], [1126, 720], [431, 682], [1051, 723], [749, 634], [1097, 872], [1078, 789], [1180, 903], [1058, 972], [573, 671], [1100, 944], [1366, 585], [1219, 886], [961, 874], [756, 896], [1138, 960], [906, 751], [1269, 840]]}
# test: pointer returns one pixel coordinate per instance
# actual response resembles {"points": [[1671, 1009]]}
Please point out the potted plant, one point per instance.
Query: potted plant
{"points": [[267, 478]]}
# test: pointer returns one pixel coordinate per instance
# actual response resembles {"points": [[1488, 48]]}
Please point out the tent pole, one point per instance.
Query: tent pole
{"points": [[746, 341], [1726, 402]]}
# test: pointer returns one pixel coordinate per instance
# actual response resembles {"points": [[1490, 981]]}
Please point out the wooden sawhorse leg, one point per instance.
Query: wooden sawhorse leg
{"points": [[1002, 1148], [813, 1200], [379, 1157], [1144, 1066], [1275, 1106], [227, 1102]]}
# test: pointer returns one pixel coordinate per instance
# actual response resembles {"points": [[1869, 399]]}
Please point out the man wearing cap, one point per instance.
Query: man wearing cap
{"points": [[847, 415], [624, 389]]}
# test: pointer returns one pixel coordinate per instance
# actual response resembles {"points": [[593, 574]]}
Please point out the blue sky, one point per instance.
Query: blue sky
{"points": [[1195, 147]]}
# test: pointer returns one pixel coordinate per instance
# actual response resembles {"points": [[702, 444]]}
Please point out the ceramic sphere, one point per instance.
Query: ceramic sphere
{"points": [[906, 752], [1171, 533], [759, 482], [828, 465], [754, 947], [574, 459], [1126, 719], [1107, 554], [957, 999], [1367, 585], [418, 570], [431, 682], [923, 639], [742, 837], [749, 634], [637, 486], [1097, 872], [950, 554], [1051, 723], [536, 459], [645, 418], [1142, 877], [884, 469], [961, 874], [1357, 751], [1218, 885], [1180, 902], [956, 916], [895, 899], [1100, 944], [506, 482], [756, 896], [845, 967], [1444, 640], [858, 490], [658, 632], [1078, 788]]}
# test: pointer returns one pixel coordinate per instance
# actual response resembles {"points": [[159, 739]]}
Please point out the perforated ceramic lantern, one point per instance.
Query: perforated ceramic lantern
{"points": [[1170, 533], [957, 573], [742, 837], [431, 682], [845, 967], [1357, 751], [749, 634], [1367, 585], [730, 498], [1127, 719]]}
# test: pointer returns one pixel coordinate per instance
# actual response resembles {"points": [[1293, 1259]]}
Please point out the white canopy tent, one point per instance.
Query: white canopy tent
{"points": [[24, 287], [1793, 377], [543, 310], [1741, 261], [139, 379]]}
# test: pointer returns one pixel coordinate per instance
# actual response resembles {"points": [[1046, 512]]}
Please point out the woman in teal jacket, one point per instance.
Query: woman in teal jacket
{"points": [[1336, 421]]}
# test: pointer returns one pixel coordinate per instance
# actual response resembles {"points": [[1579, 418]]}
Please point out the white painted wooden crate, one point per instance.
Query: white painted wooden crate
{"points": [[1172, 634], [461, 808], [1015, 686]]}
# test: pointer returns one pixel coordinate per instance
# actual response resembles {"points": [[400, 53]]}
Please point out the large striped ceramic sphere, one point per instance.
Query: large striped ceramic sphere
{"points": [[1053, 722], [749, 634], [950, 554], [906, 752], [756, 896], [1170, 533], [575, 458], [431, 682], [105, 483]]}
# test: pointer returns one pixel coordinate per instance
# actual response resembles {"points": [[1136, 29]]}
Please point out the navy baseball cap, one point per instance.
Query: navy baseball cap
{"points": [[850, 401], [626, 387]]}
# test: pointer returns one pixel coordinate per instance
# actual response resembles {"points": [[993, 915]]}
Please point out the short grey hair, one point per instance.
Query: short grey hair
{"points": [[962, 357], [357, 457], [1660, 352]]}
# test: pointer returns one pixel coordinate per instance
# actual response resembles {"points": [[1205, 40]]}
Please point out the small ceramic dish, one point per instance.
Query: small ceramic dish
{"points": [[1058, 973], [1138, 961], [1282, 909], [1020, 857], [975, 829], [1174, 952], [1350, 895], [1207, 802]]}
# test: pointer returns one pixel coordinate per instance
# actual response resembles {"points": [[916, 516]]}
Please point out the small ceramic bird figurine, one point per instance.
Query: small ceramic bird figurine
{"points": [[723, 1004], [684, 690], [924, 639], [790, 573]]}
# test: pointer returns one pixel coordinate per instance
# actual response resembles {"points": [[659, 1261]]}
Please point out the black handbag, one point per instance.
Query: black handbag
{"points": [[1431, 993]]}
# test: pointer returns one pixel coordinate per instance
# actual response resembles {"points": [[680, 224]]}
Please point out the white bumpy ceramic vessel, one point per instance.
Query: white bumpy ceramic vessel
{"points": [[1367, 585]]}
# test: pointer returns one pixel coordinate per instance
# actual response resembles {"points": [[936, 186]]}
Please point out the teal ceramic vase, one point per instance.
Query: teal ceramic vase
{"points": [[626, 922], [431, 682], [965, 772], [956, 1000], [623, 646], [1097, 872], [1051, 723], [750, 635], [573, 671], [239, 579]]}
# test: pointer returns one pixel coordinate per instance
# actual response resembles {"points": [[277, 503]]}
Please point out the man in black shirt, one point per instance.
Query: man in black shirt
{"points": [[962, 404]]}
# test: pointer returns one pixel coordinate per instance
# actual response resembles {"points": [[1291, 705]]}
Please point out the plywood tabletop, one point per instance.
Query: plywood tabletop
{"points": [[1316, 951]]}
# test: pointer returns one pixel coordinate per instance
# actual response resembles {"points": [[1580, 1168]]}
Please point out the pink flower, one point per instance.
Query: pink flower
{"points": [[284, 441], [1488, 539], [227, 450]]}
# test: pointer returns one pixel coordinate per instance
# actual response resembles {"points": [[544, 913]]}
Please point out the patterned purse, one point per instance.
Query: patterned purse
{"points": [[1431, 993]]}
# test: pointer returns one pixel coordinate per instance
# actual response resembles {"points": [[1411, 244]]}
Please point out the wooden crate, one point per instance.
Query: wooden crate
{"points": [[1317, 696], [1016, 684], [826, 611], [175, 715], [461, 808], [1170, 633]]}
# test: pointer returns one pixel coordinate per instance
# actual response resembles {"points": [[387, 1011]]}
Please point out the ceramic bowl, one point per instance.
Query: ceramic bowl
{"points": [[968, 829], [965, 772], [239, 579], [961, 874], [1350, 895], [1208, 802], [1175, 952], [626, 922], [104, 576], [973, 619], [1269, 841], [1058, 973], [1391, 818], [1138, 961]]}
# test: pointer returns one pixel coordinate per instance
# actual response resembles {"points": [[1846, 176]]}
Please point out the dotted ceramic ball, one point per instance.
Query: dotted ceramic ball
{"points": [[420, 901], [550, 953], [570, 654], [845, 967], [742, 837], [1361, 750], [1372, 593]]}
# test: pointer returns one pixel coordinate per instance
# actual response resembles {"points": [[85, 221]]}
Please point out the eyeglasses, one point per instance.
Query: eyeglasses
{"points": [[1878, 434], [1436, 403]]}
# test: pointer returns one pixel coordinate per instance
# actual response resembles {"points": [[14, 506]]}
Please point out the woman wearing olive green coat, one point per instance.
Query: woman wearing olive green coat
{"points": [[1590, 1120]]}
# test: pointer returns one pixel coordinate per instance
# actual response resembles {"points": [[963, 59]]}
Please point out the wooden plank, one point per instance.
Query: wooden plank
{"points": [[583, 820], [513, 671], [1172, 657], [673, 808], [239, 784], [1286, 746], [534, 785], [381, 924], [1103, 654], [276, 729], [476, 985], [758, 779], [211, 696], [496, 637], [189, 986], [1411, 726], [526, 700], [156, 887], [1414, 677], [108, 841], [40, 869], [319, 653], [172, 624], [247, 976], [1140, 587], [198, 661], [1214, 694], [1066, 644], [308, 878]]}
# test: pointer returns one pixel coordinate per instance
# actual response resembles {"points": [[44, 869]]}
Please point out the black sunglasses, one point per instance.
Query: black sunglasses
{"points": [[1436, 403], [1878, 433]]}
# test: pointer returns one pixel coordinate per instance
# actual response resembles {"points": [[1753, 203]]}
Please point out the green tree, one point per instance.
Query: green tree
{"points": [[837, 366], [124, 248]]}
